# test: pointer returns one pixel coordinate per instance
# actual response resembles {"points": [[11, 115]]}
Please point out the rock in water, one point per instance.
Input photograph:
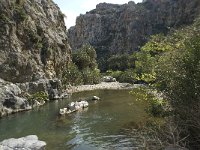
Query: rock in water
{"points": [[30, 142], [74, 106], [95, 98]]}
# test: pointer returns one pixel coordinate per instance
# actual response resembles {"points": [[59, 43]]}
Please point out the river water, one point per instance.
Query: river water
{"points": [[104, 125]]}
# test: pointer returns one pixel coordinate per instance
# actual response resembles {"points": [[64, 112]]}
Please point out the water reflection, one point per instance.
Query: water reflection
{"points": [[101, 126]]}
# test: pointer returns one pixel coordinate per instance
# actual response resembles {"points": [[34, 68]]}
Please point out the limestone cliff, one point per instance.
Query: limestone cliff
{"points": [[114, 29], [33, 40], [34, 52]]}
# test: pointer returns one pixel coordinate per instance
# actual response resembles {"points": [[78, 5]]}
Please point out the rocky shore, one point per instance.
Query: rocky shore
{"points": [[102, 86], [24, 96]]}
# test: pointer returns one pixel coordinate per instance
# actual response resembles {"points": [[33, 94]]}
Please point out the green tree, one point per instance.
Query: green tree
{"points": [[121, 62], [85, 57], [178, 76], [72, 75]]}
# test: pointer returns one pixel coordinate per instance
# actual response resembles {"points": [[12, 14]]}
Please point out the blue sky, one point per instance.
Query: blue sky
{"points": [[73, 8]]}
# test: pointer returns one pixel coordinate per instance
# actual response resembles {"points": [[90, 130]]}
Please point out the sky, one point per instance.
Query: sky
{"points": [[73, 8]]}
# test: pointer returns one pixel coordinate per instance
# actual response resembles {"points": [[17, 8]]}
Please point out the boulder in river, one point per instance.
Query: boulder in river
{"points": [[30, 142], [74, 106], [95, 98]]}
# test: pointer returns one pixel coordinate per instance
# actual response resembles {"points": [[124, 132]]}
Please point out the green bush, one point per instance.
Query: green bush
{"points": [[128, 76], [173, 62], [85, 57], [84, 68], [121, 62], [155, 106], [19, 13], [72, 75], [4, 18], [91, 76], [39, 96], [178, 75]]}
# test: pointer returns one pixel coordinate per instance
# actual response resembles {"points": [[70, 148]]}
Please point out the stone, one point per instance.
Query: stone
{"points": [[30, 142], [95, 98], [53, 94], [108, 79], [74, 106], [11, 100]]}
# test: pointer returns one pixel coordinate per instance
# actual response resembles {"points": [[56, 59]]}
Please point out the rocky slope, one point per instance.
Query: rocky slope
{"points": [[115, 29], [34, 52], [33, 40]]}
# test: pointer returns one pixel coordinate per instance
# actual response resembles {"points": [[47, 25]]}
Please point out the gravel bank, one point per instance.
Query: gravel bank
{"points": [[102, 85]]}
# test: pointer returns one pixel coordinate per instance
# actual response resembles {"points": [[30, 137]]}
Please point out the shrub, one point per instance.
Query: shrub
{"points": [[19, 13], [121, 62], [128, 76], [91, 76], [85, 57], [156, 106], [4, 18], [72, 75], [39, 96]]}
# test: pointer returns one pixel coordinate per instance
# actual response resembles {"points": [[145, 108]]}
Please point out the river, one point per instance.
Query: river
{"points": [[105, 124]]}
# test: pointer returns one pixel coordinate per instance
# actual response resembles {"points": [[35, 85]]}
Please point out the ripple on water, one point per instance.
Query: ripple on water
{"points": [[100, 127]]}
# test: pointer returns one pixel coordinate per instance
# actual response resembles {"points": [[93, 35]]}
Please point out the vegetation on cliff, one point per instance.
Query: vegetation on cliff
{"points": [[122, 29], [83, 69]]}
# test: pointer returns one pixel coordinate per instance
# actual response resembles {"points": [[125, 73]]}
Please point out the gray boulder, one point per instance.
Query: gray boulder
{"points": [[30, 142], [108, 79], [10, 99]]}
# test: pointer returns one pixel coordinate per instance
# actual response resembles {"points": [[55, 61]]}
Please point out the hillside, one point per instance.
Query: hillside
{"points": [[116, 29]]}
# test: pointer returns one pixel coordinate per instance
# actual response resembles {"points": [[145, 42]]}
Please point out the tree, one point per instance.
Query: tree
{"points": [[121, 62], [85, 57]]}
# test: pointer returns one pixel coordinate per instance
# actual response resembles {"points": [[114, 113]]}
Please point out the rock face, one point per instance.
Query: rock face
{"points": [[13, 99], [115, 29], [30, 142], [10, 99], [33, 40], [34, 52]]}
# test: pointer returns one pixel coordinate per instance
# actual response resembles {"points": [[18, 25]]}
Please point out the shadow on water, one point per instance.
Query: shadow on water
{"points": [[104, 125]]}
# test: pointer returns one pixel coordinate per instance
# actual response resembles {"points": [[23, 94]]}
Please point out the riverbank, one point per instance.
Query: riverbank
{"points": [[102, 86]]}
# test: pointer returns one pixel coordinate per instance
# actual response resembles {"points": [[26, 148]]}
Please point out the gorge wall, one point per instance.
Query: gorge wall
{"points": [[33, 40], [116, 29], [34, 52]]}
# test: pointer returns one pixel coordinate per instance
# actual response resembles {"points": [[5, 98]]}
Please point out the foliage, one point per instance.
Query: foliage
{"points": [[39, 96], [115, 74], [175, 66], [4, 18], [85, 57], [148, 59], [156, 106], [91, 76], [72, 75], [121, 62], [83, 70], [19, 13], [127, 76], [180, 80]]}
